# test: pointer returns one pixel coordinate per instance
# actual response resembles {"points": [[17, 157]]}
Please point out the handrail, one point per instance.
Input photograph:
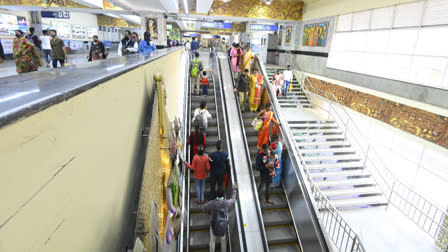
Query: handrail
{"points": [[398, 193], [348, 235]]}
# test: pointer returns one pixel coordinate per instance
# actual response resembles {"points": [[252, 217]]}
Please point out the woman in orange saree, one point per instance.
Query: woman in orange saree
{"points": [[263, 133]]}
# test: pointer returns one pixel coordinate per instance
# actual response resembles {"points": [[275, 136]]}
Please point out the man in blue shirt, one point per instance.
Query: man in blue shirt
{"points": [[219, 165], [194, 47]]}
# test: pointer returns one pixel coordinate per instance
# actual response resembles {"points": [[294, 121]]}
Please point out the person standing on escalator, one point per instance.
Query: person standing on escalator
{"points": [[219, 165], [200, 166], [196, 138], [262, 165]]}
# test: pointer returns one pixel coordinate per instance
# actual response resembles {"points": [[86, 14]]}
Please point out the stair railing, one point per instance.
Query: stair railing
{"points": [[423, 212], [337, 229]]}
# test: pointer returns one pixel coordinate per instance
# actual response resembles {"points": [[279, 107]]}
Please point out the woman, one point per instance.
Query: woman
{"points": [[278, 151], [97, 50], [135, 37], [200, 166], [247, 58], [196, 138], [236, 53], [263, 133], [255, 88], [25, 54], [146, 45]]}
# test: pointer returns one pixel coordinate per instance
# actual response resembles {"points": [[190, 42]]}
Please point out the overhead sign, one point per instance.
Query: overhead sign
{"points": [[55, 14], [263, 27], [216, 25]]}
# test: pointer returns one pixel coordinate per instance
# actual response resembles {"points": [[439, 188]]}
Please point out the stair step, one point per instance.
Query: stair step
{"points": [[317, 138], [352, 192], [361, 202], [278, 201], [295, 106], [200, 240], [292, 101], [342, 174], [324, 145], [292, 247], [327, 151], [276, 217], [197, 99], [332, 157], [358, 182], [316, 131], [280, 234], [336, 165]]}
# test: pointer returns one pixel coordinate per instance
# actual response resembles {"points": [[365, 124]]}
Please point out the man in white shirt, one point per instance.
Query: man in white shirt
{"points": [[127, 45], [205, 115], [188, 46], [287, 79], [46, 47]]}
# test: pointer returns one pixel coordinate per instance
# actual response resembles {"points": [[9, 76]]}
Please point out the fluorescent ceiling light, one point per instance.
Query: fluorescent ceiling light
{"points": [[133, 18], [186, 6]]}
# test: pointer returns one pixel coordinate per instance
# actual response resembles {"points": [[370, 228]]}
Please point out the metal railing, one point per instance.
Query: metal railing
{"points": [[337, 229], [424, 213]]}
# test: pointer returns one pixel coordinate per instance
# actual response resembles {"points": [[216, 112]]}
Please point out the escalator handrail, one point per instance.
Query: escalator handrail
{"points": [[243, 242], [252, 176], [295, 162]]}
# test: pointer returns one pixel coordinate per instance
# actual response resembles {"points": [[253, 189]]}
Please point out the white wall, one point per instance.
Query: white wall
{"points": [[85, 19]]}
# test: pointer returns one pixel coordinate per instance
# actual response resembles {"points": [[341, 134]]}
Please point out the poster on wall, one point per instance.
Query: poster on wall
{"points": [[73, 44], [280, 35], [151, 26], [315, 34], [21, 23], [91, 31], [7, 45], [288, 35], [78, 31], [63, 29], [8, 24]]}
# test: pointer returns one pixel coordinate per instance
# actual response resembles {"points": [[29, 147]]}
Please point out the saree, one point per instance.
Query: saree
{"points": [[255, 88], [248, 55], [28, 62], [235, 60], [263, 134]]}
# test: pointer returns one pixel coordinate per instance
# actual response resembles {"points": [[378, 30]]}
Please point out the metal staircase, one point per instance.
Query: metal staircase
{"points": [[332, 163], [296, 97]]}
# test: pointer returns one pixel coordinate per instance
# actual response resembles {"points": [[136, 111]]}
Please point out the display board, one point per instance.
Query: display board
{"points": [[263, 27], [216, 25], [55, 14], [78, 31], [10, 23], [315, 34], [21, 24], [73, 44], [91, 31]]}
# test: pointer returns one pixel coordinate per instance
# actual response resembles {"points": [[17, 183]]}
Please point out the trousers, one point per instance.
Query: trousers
{"points": [[215, 179], [268, 188], [200, 188], [196, 84], [213, 239], [285, 87], [242, 97]]}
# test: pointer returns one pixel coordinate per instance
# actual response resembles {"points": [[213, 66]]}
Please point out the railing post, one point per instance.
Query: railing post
{"points": [[390, 195], [346, 129], [367, 153], [354, 243]]}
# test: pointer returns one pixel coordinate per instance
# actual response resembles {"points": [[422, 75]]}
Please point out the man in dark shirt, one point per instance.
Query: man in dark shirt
{"points": [[34, 39], [242, 87], [219, 164], [58, 52], [261, 163], [194, 47]]}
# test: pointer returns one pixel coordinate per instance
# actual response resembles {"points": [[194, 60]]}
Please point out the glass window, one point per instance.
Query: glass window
{"points": [[361, 20], [433, 41], [402, 41], [344, 23], [436, 12], [407, 15], [382, 18]]}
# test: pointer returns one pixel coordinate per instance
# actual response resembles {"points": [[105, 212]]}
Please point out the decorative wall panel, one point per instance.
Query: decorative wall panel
{"points": [[115, 22], [236, 27], [278, 9], [44, 3], [421, 123]]}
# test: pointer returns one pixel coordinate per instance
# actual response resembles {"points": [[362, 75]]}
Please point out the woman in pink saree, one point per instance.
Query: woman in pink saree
{"points": [[236, 54]]}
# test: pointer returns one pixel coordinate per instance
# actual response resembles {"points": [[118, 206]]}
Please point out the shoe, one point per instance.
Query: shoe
{"points": [[269, 201]]}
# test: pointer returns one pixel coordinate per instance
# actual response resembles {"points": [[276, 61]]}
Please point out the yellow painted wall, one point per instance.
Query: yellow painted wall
{"points": [[326, 8], [66, 172]]}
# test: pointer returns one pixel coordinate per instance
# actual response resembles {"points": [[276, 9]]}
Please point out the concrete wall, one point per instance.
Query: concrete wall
{"points": [[326, 8], [69, 172]]}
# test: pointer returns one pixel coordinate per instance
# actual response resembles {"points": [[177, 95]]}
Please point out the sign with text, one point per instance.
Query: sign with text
{"points": [[263, 27], [55, 14], [216, 25]]}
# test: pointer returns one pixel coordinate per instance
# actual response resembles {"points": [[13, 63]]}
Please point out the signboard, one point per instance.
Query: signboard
{"points": [[78, 31], [263, 27], [190, 34], [8, 24], [62, 29], [21, 23], [73, 44], [91, 31], [216, 25], [7, 45], [55, 14]]}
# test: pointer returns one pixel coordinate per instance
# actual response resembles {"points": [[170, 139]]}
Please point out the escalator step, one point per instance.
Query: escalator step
{"points": [[201, 239], [292, 247], [199, 221], [278, 201], [276, 217], [280, 234]]}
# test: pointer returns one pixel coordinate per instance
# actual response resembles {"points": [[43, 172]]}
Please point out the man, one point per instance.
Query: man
{"points": [[219, 164], [242, 87], [58, 52], [188, 46], [46, 47], [168, 41], [34, 39], [127, 44], [223, 45], [287, 79], [212, 208], [262, 164], [195, 73], [194, 46]]}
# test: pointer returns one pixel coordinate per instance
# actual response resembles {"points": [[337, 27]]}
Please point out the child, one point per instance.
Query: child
{"points": [[204, 83], [273, 160]]}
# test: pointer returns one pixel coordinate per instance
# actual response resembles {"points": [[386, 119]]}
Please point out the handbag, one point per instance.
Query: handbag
{"points": [[257, 123]]}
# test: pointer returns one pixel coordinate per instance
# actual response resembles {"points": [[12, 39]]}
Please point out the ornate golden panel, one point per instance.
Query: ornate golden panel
{"points": [[424, 124], [278, 9], [236, 27], [44, 3], [115, 22]]}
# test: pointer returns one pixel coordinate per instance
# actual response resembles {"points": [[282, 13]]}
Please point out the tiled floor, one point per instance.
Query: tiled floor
{"points": [[8, 68]]}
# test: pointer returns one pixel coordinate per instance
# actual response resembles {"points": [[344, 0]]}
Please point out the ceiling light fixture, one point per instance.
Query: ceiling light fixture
{"points": [[268, 2], [186, 6]]}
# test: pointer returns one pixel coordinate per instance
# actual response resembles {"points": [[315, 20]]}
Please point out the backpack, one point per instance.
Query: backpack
{"points": [[219, 220], [195, 68], [199, 120]]}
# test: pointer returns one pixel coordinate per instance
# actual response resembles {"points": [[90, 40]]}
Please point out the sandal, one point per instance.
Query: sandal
{"points": [[269, 201]]}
